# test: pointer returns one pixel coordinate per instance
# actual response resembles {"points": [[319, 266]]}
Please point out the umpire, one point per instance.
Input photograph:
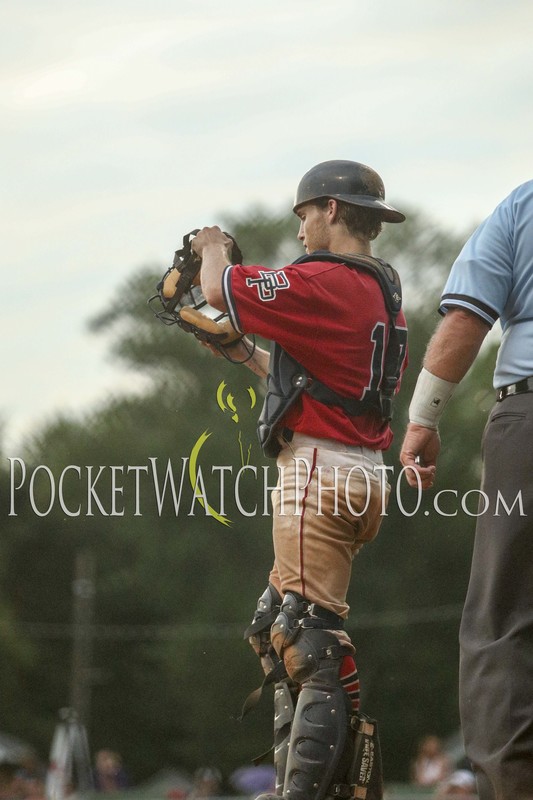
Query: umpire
{"points": [[492, 279]]}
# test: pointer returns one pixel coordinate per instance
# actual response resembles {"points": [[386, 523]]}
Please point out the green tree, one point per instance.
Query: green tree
{"points": [[174, 591]]}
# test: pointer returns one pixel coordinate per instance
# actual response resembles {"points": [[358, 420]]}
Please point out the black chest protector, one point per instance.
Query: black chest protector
{"points": [[287, 378]]}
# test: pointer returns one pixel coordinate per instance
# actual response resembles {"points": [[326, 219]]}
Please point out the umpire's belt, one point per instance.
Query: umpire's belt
{"points": [[525, 385]]}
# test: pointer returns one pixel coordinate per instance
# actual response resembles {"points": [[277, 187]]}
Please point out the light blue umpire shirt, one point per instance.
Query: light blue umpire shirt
{"points": [[493, 278]]}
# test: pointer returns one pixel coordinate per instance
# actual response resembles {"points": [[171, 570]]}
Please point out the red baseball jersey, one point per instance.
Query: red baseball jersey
{"points": [[332, 319]]}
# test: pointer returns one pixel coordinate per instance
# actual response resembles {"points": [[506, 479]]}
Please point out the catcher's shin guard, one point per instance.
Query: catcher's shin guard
{"points": [[258, 634], [285, 696], [362, 778], [330, 754], [319, 745], [312, 657]]}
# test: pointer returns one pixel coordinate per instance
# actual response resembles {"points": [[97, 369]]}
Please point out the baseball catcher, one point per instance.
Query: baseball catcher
{"points": [[338, 350]]}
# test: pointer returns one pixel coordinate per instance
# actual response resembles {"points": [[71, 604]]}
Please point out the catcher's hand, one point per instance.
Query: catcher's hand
{"points": [[182, 303], [217, 331]]}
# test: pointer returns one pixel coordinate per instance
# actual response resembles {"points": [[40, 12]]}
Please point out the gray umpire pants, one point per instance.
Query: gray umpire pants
{"points": [[496, 635]]}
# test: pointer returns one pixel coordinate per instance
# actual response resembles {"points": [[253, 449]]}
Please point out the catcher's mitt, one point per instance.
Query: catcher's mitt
{"points": [[188, 308]]}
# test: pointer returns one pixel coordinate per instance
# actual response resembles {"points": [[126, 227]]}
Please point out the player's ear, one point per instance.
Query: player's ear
{"points": [[332, 210]]}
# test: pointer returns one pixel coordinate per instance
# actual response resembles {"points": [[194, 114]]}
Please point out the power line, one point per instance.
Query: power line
{"points": [[232, 630]]}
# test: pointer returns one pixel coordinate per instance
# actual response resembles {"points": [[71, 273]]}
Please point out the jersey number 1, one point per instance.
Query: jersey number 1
{"points": [[376, 367]]}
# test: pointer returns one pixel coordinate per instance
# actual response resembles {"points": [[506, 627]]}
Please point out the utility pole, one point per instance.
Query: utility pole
{"points": [[82, 644]]}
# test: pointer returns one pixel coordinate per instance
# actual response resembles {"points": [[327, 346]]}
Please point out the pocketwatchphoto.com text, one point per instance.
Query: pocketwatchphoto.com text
{"points": [[178, 488]]}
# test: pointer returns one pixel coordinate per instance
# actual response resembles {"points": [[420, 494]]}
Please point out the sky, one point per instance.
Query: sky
{"points": [[126, 123]]}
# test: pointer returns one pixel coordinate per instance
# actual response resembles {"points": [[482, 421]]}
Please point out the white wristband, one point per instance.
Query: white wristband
{"points": [[429, 399]]}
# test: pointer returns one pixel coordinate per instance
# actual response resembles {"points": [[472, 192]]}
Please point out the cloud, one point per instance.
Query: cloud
{"points": [[126, 124]]}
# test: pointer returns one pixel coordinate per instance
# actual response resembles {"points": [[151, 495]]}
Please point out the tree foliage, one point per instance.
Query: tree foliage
{"points": [[174, 591]]}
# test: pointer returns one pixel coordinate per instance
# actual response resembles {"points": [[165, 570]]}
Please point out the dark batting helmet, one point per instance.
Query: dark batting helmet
{"points": [[349, 181]]}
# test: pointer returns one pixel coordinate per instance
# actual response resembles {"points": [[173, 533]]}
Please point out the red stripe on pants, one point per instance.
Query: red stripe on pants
{"points": [[306, 492]]}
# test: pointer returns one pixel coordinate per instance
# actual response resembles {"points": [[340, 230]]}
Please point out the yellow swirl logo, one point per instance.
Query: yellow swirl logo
{"points": [[226, 402]]}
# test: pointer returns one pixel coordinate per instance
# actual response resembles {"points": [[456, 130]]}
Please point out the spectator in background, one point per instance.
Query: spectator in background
{"points": [[431, 765], [7, 780], [109, 773], [254, 779], [207, 783], [461, 784], [17, 783], [31, 787]]}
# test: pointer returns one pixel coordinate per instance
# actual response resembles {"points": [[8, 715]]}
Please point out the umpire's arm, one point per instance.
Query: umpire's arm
{"points": [[455, 344], [450, 354]]}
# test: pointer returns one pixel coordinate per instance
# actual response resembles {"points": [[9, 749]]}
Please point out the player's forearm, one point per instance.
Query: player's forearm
{"points": [[455, 345], [215, 259], [258, 363]]}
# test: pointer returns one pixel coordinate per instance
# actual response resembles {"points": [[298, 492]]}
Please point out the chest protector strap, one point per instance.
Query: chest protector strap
{"points": [[287, 378]]}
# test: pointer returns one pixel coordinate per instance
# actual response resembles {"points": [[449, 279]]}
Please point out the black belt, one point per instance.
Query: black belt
{"points": [[525, 385]]}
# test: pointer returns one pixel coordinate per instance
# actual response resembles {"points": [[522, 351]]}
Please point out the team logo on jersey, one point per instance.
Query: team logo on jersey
{"points": [[269, 283]]}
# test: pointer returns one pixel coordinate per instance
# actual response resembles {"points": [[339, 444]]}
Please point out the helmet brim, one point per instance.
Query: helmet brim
{"points": [[387, 212]]}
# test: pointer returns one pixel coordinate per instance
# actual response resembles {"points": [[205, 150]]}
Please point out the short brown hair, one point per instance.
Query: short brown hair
{"points": [[359, 221]]}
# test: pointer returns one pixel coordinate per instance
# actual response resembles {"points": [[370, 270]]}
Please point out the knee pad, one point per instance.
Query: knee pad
{"points": [[258, 632], [299, 638], [286, 626], [311, 653]]}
